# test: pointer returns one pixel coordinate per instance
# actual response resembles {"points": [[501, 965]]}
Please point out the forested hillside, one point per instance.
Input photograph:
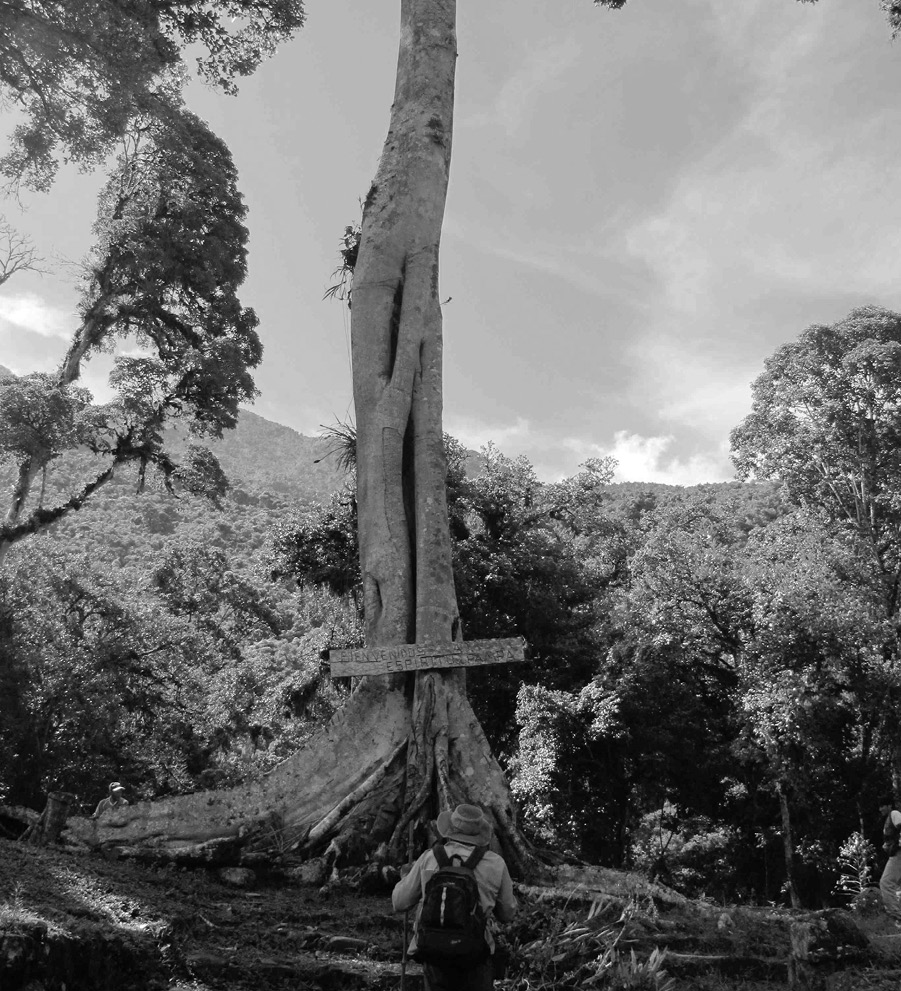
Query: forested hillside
{"points": [[272, 471]]}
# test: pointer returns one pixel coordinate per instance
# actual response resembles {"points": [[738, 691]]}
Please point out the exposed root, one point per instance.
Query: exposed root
{"points": [[420, 756], [523, 861], [410, 812], [441, 771], [356, 744], [353, 784], [329, 823]]}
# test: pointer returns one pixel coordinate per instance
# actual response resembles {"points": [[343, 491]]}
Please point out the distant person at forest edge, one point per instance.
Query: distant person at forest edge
{"points": [[115, 800], [466, 834], [891, 876]]}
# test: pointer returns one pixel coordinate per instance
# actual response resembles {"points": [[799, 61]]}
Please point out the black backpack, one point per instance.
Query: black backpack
{"points": [[451, 927]]}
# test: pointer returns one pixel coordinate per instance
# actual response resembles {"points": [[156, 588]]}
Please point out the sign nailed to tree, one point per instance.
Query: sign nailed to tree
{"points": [[418, 656]]}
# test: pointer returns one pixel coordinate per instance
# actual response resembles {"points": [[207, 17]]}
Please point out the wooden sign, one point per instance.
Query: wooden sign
{"points": [[418, 656]]}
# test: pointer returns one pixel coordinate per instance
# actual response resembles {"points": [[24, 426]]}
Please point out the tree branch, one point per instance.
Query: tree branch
{"points": [[17, 254], [41, 518]]}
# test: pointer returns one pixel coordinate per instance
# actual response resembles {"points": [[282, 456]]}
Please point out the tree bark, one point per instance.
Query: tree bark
{"points": [[788, 846], [405, 550], [27, 471]]}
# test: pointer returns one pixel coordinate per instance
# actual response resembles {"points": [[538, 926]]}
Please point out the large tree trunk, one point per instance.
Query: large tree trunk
{"points": [[404, 746], [405, 547]]}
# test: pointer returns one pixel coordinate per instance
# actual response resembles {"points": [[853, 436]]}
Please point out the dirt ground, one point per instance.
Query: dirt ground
{"points": [[74, 921], [165, 927]]}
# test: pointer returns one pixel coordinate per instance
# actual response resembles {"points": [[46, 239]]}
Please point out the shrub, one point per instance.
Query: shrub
{"points": [[856, 858]]}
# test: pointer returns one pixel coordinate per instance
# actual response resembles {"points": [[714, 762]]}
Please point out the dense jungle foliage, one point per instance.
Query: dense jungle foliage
{"points": [[711, 690]]}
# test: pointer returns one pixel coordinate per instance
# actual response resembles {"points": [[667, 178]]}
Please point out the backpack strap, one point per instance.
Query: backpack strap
{"points": [[440, 855], [471, 861], [475, 857]]}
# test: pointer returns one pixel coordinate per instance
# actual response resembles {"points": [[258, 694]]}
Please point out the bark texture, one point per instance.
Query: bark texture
{"points": [[397, 348]]}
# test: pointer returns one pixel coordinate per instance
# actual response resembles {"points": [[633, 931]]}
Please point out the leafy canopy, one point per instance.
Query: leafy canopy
{"points": [[80, 70], [164, 276], [39, 418], [170, 257], [826, 418]]}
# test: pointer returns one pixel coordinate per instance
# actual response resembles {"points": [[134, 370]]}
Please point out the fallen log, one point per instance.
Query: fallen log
{"points": [[20, 813], [583, 885], [821, 944]]}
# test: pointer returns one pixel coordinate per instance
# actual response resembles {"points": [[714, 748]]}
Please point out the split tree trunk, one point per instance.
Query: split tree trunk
{"points": [[405, 746], [405, 546]]}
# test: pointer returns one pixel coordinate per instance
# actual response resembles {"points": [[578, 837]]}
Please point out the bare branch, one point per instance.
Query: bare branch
{"points": [[17, 253]]}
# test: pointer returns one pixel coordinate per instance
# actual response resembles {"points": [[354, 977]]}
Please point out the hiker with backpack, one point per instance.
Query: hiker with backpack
{"points": [[891, 876], [458, 884]]}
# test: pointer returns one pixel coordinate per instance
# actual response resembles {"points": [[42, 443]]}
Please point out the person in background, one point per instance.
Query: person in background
{"points": [[114, 800], [891, 876], [462, 831]]}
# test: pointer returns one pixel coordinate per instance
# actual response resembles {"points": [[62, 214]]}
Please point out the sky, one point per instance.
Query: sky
{"points": [[644, 204]]}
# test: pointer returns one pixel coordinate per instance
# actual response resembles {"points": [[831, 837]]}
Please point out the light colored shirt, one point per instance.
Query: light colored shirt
{"points": [[492, 877], [109, 803]]}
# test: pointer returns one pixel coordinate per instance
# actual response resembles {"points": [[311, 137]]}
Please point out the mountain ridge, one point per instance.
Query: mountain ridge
{"points": [[275, 472]]}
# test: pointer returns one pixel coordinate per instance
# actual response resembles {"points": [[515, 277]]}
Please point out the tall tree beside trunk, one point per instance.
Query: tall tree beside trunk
{"points": [[169, 260], [86, 75], [788, 844]]}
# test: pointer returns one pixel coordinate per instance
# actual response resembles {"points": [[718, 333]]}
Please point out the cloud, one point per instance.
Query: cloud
{"points": [[647, 459], [30, 312], [639, 458], [806, 222], [692, 383], [797, 196], [575, 265], [788, 219], [512, 438], [541, 73]]}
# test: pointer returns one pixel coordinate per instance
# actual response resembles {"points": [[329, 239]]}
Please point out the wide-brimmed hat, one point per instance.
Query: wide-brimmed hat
{"points": [[116, 786], [466, 824]]}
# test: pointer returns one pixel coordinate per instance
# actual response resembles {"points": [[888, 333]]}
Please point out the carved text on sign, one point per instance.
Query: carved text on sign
{"points": [[418, 656]]}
